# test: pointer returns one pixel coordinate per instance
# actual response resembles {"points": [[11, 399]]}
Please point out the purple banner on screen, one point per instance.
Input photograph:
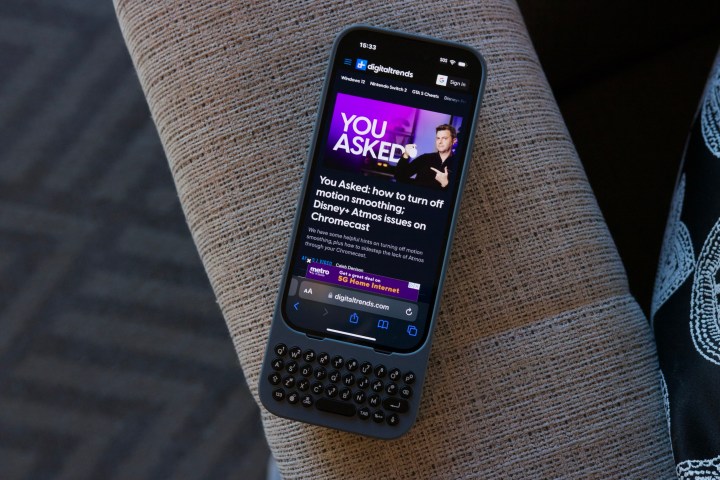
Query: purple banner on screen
{"points": [[366, 282], [365, 131]]}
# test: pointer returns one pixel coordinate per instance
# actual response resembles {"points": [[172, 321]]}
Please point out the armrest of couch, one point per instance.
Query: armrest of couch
{"points": [[542, 364]]}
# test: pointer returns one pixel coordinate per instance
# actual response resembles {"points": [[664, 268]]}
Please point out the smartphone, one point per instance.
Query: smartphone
{"points": [[356, 308]]}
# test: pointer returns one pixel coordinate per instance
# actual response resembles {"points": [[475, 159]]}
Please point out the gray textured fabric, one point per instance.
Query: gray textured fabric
{"points": [[542, 363], [114, 358]]}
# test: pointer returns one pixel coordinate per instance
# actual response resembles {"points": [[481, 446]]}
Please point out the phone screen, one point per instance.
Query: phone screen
{"points": [[386, 167]]}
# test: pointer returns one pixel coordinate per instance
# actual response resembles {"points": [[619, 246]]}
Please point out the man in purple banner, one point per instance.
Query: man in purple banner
{"points": [[430, 169]]}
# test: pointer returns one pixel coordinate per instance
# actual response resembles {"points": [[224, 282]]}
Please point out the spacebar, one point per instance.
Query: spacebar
{"points": [[333, 406]]}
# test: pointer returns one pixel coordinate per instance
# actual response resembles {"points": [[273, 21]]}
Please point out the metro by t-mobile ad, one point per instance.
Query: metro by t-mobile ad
{"points": [[376, 216]]}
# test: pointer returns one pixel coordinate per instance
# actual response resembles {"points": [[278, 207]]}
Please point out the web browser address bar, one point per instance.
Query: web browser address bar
{"points": [[343, 297]]}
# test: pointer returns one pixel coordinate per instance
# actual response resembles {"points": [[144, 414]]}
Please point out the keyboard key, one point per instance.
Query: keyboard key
{"points": [[307, 401], [374, 400], [409, 378], [377, 386], [303, 385], [406, 392], [338, 361], [320, 373], [345, 394], [391, 389], [396, 405], [331, 391], [324, 359], [295, 353], [277, 364], [378, 416], [380, 371], [280, 349], [309, 356], [363, 383], [317, 388], [364, 413], [292, 368], [359, 397], [366, 368], [293, 398], [279, 394], [351, 365], [393, 419], [349, 379], [335, 406], [289, 382], [334, 376], [274, 378], [394, 374], [306, 370]]}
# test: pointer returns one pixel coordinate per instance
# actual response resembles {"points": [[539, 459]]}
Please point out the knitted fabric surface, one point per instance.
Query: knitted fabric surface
{"points": [[542, 365]]}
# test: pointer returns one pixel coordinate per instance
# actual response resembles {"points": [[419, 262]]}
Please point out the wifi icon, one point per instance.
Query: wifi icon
{"points": [[452, 62]]}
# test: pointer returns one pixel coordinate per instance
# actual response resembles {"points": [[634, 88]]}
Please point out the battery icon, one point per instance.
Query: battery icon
{"points": [[461, 64]]}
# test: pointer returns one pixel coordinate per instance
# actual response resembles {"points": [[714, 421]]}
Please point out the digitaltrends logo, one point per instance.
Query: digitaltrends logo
{"points": [[361, 64]]}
